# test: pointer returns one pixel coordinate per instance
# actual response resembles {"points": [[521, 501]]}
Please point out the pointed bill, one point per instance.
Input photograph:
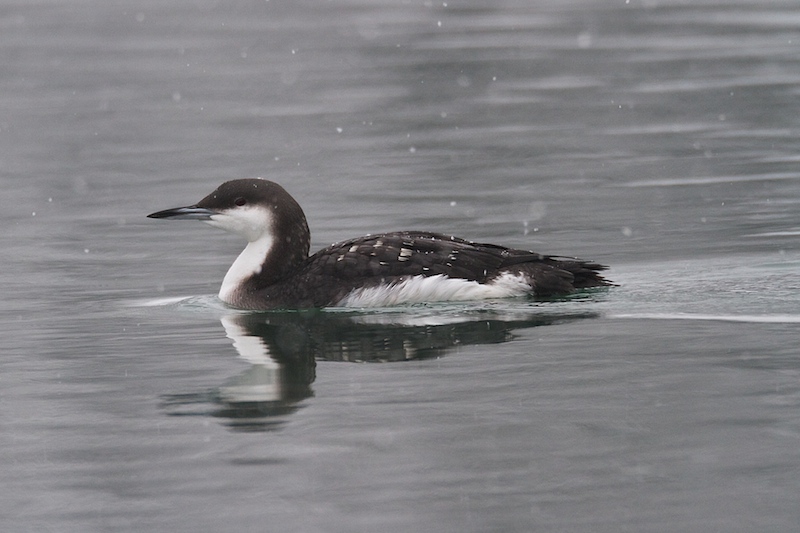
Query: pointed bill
{"points": [[184, 213]]}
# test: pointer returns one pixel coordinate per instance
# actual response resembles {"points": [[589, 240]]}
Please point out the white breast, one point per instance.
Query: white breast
{"points": [[440, 288]]}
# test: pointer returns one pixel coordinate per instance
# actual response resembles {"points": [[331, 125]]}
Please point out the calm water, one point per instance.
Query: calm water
{"points": [[658, 137]]}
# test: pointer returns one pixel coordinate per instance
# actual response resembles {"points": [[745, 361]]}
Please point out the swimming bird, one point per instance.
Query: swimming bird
{"points": [[275, 271]]}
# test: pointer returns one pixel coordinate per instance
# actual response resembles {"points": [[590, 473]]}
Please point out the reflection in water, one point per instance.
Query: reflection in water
{"points": [[283, 347]]}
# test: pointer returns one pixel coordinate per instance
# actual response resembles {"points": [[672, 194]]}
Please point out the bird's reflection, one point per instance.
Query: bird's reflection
{"points": [[284, 347]]}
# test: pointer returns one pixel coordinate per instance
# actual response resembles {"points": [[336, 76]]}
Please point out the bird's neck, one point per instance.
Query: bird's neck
{"points": [[249, 265], [264, 262]]}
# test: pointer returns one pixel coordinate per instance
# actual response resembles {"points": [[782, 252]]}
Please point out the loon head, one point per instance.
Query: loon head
{"points": [[269, 219], [253, 208]]}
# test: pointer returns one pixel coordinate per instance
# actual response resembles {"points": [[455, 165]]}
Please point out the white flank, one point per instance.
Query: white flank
{"points": [[440, 288]]}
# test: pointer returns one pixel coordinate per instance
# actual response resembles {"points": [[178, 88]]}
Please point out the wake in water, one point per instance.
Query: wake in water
{"points": [[747, 289], [768, 319]]}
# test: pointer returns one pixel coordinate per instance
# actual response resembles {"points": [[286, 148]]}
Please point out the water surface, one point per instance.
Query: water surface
{"points": [[657, 137]]}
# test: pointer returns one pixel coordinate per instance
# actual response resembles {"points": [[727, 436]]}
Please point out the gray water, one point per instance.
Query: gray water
{"points": [[659, 137]]}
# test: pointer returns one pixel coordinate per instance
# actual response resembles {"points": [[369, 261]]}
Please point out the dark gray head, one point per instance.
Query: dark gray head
{"points": [[260, 211]]}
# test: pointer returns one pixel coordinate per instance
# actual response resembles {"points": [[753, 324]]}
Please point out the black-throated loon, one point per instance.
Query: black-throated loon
{"points": [[275, 271]]}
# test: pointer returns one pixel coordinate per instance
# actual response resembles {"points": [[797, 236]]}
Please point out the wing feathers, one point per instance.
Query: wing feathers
{"points": [[397, 255]]}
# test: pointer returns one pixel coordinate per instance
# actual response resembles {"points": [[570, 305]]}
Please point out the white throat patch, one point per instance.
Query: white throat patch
{"points": [[255, 225], [247, 264]]}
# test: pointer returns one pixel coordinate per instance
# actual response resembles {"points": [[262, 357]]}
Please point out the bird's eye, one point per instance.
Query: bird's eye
{"points": [[240, 201]]}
